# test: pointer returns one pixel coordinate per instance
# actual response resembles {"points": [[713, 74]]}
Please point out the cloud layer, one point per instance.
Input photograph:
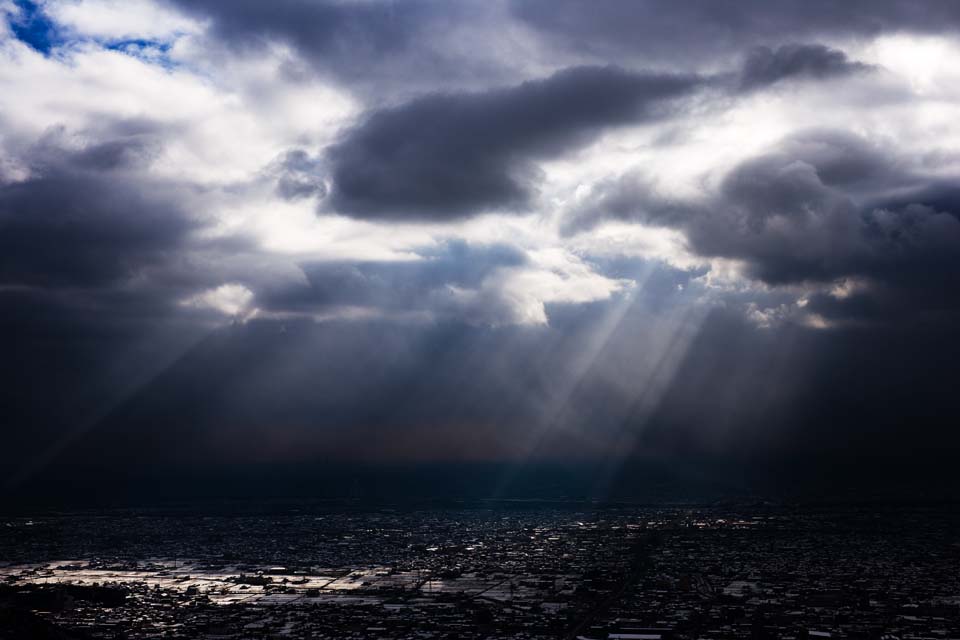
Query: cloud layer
{"points": [[446, 156], [431, 232]]}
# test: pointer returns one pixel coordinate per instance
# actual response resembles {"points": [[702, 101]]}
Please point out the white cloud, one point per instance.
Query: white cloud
{"points": [[637, 241], [120, 19], [215, 127], [229, 299], [519, 295]]}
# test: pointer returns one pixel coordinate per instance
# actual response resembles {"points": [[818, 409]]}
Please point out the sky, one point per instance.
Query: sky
{"points": [[250, 243]]}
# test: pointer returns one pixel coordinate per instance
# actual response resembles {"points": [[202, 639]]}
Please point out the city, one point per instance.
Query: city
{"points": [[514, 570]]}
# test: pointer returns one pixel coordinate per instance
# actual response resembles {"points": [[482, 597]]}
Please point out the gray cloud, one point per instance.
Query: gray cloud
{"points": [[417, 286], [448, 156], [83, 307], [793, 217], [839, 159], [67, 227], [690, 33], [765, 66], [370, 42], [811, 211], [297, 175], [331, 29], [779, 216], [630, 197], [367, 46]]}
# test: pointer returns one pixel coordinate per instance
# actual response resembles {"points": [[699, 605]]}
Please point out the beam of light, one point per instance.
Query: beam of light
{"points": [[779, 367], [580, 367], [649, 393], [37, 464]]}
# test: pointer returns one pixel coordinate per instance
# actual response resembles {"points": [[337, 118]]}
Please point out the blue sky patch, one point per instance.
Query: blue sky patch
{"points": [[33, 27]]}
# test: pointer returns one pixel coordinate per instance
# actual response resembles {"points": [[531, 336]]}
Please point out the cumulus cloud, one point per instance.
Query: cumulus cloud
{"points": [[493, 285], [765, 66], [229, 299], [701, 31], [369, 47], [115, 20], [448, 156], [297, 175], [65, 226], [629, 197], [321, 29], [807, 213]]}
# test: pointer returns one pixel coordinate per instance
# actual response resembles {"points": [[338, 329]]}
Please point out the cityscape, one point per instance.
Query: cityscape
{"points": [[510, 570]]}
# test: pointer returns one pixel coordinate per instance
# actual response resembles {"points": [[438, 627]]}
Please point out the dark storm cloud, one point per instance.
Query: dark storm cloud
{"points": [[790, 216], [366, 45], [124, 153], [849, 161], [111, 145], [939, 194], [72, 228], [810, 211], [448, 156], [375, 41], [765, 66], [685, 34], [630, 197], [90, 219], [81, 312], [322, 29]]}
